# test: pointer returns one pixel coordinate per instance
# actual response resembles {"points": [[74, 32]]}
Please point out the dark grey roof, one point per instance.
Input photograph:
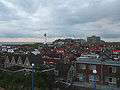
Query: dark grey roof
{"points": [[98, 61], [37, 59]]}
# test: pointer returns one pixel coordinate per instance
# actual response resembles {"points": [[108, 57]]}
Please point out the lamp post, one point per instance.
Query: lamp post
{"points": [[94, 79], [33, 82]]}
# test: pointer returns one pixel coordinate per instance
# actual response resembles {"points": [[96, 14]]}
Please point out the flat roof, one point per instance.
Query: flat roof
{"points": [[98, 61]]}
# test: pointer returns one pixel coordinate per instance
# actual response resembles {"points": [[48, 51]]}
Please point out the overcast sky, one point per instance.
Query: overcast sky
{"points": [[60, 18]]}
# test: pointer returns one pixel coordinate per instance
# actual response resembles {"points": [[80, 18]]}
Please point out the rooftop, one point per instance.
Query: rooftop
{"points": [[97, 60]]}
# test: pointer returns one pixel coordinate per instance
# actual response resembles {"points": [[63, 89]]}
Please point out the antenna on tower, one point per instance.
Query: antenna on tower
{"points": [[73, 36], [45, 35]]}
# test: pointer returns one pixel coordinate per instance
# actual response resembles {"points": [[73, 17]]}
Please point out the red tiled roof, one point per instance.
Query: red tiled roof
{"points": [[115, 50]]}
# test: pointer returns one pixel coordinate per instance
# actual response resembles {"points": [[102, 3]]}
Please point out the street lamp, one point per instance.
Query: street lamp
{"points": [[33, 82], [94, 79]]}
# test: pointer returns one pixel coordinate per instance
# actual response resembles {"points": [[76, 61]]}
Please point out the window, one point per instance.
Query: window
{"points": [[27, 64], [81, 77], [56, 72], [115, 52], [82, 66], [92, 67], [112, 69], [112, 80], [92, 77]]}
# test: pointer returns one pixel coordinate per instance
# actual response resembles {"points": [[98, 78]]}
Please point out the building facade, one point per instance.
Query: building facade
{"points": [[108, 71], [93, 39]]}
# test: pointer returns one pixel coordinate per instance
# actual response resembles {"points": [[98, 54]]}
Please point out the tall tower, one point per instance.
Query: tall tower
{"points": [[45, 38]]}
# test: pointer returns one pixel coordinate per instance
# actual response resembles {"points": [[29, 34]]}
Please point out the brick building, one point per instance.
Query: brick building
{"points": [[108, 70]]}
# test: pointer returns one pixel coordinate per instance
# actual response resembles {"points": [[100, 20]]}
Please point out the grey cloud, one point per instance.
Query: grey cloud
{"points": [[94, 13], [60, 17], [111, 35]]}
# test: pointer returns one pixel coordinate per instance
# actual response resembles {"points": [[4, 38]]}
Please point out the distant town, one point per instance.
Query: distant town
{"points": [[63, 64]]}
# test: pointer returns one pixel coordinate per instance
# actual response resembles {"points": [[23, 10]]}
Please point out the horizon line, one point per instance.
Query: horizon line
{"points": [[32, 40]]}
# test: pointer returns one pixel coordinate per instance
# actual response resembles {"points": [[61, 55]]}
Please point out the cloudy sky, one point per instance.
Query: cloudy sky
{"points": [[26, 19]]}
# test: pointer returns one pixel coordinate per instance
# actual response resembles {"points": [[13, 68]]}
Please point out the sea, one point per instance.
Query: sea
{"points": [[16, 43]]}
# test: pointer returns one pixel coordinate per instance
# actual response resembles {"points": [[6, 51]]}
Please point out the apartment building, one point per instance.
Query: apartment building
{"points": [[108, 70]]}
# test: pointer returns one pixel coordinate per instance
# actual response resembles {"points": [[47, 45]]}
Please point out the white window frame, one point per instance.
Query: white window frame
{"points": [[114, 80], [113, 69]]}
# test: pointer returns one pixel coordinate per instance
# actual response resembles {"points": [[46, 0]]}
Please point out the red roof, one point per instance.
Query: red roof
{"points": [[60, 50], [115, 50]]}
